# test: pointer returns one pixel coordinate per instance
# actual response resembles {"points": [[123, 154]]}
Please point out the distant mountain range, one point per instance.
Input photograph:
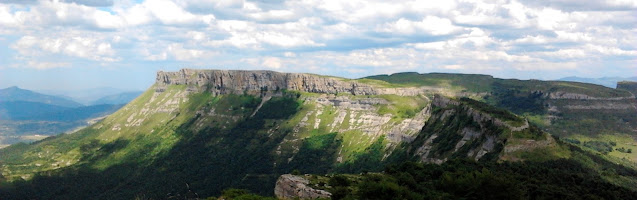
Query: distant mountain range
{"points": [[27, 115], [95, 96], [610, 82], [13, 94], [121, 98]]}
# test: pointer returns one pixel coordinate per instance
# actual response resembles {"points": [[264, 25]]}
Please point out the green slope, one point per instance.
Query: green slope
{"points": [[561, 108], [171, 141]]}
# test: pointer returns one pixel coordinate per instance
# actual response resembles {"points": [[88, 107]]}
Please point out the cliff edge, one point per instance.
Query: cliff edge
{"points": [[240, 81]]}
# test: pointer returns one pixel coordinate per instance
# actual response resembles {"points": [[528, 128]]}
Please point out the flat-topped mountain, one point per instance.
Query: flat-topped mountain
{"points": [[202, 131], [239, 81]]}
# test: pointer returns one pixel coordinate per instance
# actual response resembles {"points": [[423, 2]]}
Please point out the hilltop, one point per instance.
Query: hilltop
{"points": [[610, 82]]}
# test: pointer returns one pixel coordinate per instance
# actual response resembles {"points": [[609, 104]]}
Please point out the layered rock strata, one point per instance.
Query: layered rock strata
{"points": [[238, 81]]}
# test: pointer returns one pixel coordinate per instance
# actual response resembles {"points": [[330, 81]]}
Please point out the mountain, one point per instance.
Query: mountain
{"points": [[121, 98], [28, 116], [610, 82], [559, 107], [195, 133], [16, 94], [87, 96]]}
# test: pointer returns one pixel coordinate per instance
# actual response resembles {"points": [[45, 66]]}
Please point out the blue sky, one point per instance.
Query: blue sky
{"points": [[79, 44]]}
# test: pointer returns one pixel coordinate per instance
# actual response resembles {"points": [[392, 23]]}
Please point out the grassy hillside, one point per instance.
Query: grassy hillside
{"points": [[172, 141], [173, 135], [485, 83], [559, 107]]}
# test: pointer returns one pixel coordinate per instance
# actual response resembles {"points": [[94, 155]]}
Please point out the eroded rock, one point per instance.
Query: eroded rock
{"points": [[289, 186]]}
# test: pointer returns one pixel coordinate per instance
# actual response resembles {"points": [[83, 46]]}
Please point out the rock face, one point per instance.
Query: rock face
{"points": [[238, 81], [356, 116], [480, 133], [289, 186]]}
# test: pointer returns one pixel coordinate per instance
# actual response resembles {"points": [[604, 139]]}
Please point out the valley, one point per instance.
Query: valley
{"points": [[27, 116]]}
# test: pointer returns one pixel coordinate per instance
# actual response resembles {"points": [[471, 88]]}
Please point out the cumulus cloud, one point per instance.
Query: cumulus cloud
{"points": [[81, 47], [95, 3], [349, 38]]}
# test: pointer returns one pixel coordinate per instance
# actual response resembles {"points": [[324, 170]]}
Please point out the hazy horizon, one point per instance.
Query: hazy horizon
{"points": [[62, 91]]}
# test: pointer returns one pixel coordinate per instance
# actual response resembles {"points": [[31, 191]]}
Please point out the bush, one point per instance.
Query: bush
{"points": [[623, 150], [339, 181], [599, 146], [573, 141]]}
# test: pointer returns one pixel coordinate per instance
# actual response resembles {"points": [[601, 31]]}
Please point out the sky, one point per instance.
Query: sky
{"points": [[81, 44]]}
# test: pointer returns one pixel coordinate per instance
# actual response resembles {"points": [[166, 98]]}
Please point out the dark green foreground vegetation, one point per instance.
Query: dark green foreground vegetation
{"points": [[462, 179], [466, 179]]}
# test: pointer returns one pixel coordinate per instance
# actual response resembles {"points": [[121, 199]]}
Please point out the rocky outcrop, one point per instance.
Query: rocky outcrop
{"points": [[473, 140], [529, 144], [289, 186], [239, 81], [355, 115], [478, 116]]}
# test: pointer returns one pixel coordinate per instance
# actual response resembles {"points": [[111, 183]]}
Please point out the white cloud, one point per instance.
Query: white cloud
{"points": [[6, 17], [177, 51], [453, 67], [272, 63], [289, 54], [82, 47], [168, 12], [430, 25], [97, 3], [549, 19], [350, 37]]}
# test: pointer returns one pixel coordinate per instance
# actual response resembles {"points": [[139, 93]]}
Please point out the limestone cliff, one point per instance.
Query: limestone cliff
{"points": [[471, 129], [239, 81]]}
